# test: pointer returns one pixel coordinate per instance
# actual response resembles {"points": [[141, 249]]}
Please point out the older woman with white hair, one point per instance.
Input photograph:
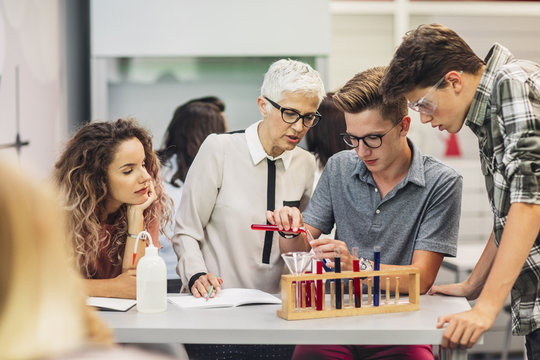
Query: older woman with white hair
{"points": [[236, 177]]}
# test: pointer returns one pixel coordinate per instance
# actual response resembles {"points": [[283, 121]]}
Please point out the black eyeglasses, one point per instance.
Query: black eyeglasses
{"points": [[371, 141], [290, 116]]}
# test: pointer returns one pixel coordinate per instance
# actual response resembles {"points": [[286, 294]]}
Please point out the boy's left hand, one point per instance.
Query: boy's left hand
{"points": [[325, 249]]}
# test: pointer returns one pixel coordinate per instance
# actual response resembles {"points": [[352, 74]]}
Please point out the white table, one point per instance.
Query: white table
{"points": [[259, 324]]}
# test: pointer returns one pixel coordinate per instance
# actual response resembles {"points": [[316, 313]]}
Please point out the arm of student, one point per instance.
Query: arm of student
{"points": [[123, 286], [471, 287], [135, 220], [199, 196], [428, 262], [521, 230]]}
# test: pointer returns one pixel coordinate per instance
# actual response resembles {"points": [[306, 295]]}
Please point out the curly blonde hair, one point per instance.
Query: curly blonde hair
{"points": [[81, 173]]}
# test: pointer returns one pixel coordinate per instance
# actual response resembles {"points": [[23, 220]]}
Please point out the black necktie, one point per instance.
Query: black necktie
{"points": [[270, 203]]}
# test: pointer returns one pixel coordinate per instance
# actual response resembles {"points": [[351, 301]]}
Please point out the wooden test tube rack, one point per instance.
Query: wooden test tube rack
{"points": [[290, 311]]}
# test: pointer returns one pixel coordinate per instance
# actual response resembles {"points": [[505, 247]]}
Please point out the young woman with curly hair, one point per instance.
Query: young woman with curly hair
{"points": [[109, 177]]}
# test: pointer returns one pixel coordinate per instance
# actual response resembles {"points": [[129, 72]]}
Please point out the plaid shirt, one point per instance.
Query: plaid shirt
{"points": [[505, 116]]}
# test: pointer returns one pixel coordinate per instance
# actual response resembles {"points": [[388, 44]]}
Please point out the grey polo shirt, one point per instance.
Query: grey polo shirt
{"points": [[421, 213]]}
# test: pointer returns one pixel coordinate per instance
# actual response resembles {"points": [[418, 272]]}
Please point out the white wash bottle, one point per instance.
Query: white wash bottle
{"points": [[151, 280]]}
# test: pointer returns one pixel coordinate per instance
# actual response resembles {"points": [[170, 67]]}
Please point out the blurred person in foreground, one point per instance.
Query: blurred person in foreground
{"points": [[42, 299]]}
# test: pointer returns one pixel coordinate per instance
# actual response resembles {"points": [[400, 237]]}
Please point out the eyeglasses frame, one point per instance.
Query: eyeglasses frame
{"points": [[414, 106], [318, 116], [363, 138]]}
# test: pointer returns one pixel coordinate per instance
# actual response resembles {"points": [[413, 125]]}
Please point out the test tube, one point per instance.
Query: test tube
{"points": [[319, 298], [337, 269], [376, 279], [350, 293], [308, 290], [313, 296], [387, 290], [303, 301], [356, 281]]}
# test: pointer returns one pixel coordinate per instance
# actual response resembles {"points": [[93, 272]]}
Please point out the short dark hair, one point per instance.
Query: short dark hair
{"points": [[424, 56], [323, 140], [362, 93]]}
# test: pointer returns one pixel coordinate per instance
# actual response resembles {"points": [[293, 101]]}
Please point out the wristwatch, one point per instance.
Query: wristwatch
{"points": [[365, 264]]}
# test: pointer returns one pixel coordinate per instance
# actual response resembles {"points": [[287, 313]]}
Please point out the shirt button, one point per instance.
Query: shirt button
{"points": [[376, 190], [377, 211]]}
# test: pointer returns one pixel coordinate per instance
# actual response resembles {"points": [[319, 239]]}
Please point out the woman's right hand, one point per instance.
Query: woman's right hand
{"points": [[287, 218], [125, 285], [203, 283]]}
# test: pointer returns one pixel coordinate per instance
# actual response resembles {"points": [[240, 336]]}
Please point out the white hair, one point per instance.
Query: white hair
{"points": [[294, 77]]}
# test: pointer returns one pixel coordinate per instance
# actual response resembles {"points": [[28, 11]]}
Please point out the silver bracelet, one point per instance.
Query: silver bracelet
{"points": [[143, 236], [365, 264]]}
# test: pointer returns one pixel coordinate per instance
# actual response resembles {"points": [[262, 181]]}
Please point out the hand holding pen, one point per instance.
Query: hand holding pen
{"points": [[207, 286]]}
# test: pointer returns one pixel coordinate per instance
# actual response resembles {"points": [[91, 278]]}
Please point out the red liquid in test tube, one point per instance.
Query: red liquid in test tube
{"points": [[356, 280], [268, 227], [319, 288], [308, 290]]}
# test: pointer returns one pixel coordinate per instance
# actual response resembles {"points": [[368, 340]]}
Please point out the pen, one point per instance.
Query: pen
{"points": [[209, 292]]}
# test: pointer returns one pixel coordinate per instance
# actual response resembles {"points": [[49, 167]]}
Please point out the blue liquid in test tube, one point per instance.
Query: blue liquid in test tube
{"points": [[376, 279]]}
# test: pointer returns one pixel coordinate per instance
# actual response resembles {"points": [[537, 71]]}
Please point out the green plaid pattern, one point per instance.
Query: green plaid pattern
{"points": [[505, 116]]}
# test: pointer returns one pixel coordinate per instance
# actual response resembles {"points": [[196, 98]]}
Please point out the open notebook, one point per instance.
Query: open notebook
{"points": [[110, 304], [226, 298]]}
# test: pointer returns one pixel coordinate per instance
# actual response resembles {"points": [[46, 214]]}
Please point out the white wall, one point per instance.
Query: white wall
{"points": [[360, 41], [157, 28], [150, 57], [29, 40]]}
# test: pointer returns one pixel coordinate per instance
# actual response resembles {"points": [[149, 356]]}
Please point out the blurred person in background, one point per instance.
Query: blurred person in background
{"points": [[192, 122], [324, 139]]}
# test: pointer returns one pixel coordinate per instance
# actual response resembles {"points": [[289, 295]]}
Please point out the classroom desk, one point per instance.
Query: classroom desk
{"points": [[259, 324]]}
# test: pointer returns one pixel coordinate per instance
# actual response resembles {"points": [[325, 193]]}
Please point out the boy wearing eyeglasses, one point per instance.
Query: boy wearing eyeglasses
{"points": [[499, 100], [383, 192]]}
